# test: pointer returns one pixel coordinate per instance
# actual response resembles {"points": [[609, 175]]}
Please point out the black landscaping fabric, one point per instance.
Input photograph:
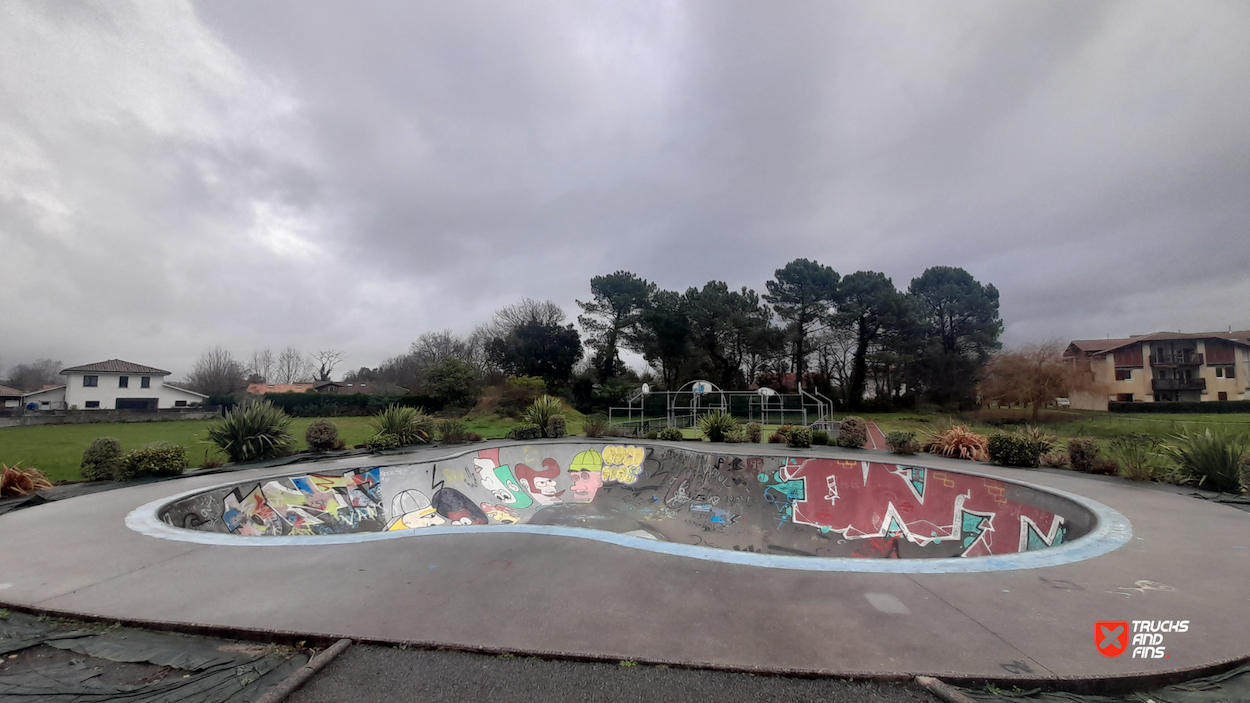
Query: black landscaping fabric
{"points": [[1229, 687], [136, 666]]}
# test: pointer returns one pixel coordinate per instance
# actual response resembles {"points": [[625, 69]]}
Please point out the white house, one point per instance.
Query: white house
{"points": [[113, 384]]}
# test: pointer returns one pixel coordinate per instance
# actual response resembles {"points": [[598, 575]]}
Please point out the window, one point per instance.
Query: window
{"points": [[1123, 374], [123, 381], [1223, 395], [180, 403], [145, 381], [90, 381], [1124, 397], [92, 404]]}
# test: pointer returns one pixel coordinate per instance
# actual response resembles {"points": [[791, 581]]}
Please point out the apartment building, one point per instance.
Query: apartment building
{"points": [[1164, 367]]}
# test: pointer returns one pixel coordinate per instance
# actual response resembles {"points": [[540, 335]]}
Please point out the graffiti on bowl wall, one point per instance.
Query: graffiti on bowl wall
{"points": [[770, 504]]}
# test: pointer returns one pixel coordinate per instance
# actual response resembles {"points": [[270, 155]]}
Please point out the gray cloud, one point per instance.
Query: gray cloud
{"points": [[350, 175]]}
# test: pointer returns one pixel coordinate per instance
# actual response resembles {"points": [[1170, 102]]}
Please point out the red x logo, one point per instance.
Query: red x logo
{"points": [[1111, 638]]}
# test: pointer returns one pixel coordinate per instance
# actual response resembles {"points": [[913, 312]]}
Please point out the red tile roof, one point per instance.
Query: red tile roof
{"points": [[6, 392]]}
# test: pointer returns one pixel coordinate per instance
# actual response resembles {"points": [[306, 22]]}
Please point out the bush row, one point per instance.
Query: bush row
{"points": [[357, 404], [103, 460], [1211, 406]]}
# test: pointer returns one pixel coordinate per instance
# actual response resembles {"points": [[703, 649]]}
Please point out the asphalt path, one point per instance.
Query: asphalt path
{"points": [[378, 673]]}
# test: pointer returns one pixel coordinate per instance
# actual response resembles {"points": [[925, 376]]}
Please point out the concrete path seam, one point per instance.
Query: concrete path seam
{"points": [[290, 684], [112, 578], [981, 625]]}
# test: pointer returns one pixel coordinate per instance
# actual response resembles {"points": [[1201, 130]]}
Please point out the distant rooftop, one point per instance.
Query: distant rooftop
{"points": [[1099, 346], [115, 366]]}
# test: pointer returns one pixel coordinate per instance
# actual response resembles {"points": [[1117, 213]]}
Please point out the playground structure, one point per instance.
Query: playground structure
{"points": [[649, 410]]}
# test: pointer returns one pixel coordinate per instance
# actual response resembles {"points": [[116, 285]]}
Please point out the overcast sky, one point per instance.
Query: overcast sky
{"points": [[351, 174]]}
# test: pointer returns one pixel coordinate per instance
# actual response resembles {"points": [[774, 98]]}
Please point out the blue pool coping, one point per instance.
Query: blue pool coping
{"points": [[1111, 531]]}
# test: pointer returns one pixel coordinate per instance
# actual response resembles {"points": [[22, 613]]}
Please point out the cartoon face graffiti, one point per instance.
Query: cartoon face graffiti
{"points": [[499, 480], [586, 473], [500, 513], [411, 510], [457, 508], [541, 484]]}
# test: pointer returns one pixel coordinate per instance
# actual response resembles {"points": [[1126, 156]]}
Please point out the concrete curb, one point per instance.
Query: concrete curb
{"points": [[941, 690], [290, 684], [1109, 685]]}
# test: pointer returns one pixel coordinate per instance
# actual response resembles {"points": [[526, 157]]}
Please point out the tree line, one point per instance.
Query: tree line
{"points": [[856, 338]]}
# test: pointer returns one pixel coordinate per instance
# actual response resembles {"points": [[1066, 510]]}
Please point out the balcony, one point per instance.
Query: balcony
{"points": [[1176, 359], [1179, 384]]}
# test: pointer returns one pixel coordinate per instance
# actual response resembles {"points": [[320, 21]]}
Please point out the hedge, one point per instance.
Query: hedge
{"points": [[1211, 406], [335, 405]]}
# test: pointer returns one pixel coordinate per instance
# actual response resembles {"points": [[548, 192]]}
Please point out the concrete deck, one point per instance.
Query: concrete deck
{"points": [[1188, 560]]}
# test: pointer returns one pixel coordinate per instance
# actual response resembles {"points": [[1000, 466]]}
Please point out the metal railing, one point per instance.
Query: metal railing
{"points": [[1178, 384], [1177, 359]]}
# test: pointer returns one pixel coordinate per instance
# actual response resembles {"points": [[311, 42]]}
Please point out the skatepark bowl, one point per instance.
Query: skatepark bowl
{"points": [[778, 508]]}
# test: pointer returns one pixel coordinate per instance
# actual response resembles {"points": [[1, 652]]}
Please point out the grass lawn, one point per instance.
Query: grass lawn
{"points": [[57, 449], [1072, 423]]}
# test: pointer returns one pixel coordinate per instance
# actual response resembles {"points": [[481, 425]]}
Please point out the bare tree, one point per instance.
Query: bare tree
{"points": [[292, 367], [261, 365], [1033, 375], [432, 348], [36, 375], [216, 373], [326, 360], [527, 312]]}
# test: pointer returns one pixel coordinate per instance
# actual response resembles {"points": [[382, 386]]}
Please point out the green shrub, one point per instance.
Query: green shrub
{"points": [[853, 433], [755, 432], [1042, 437], [670, 434], [716, 425], [902, 442], [1106, 467], [322, 435], [454, 381], [781, 435], [253, 431], [1055, 459], [557, 426], [1213, 459], [541, 412], [102, 459], [820, 438], [736, 434], [1012, 449], [452, 431], [1138, 457], [1084, 453], [595, 425], [799, 437], [1245, 470], [383, 441], [155, 459], [408, 425], [525, 431], [519, 392]]}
